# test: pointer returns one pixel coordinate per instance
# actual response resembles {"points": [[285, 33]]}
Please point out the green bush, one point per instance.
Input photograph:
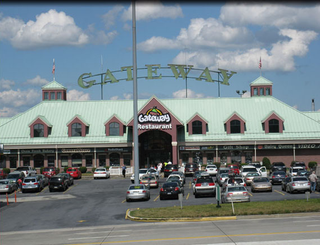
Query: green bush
{"points": [[83, 169], [58, 170], [6, 170], [217, 164], [312, 165], [266, 162], [41, 170], [107, 167], [65, 169], [93, 169]]}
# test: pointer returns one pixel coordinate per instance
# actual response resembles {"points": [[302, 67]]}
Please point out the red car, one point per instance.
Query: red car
{"points": [[49, 172], [3, 174], [74, 172], [234, 168]]}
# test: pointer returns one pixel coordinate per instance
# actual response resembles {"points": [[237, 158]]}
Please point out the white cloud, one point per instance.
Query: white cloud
{"points": [[50, 29], [191, 94], [76, 95], [109, 18], [152, 10], [126, 96], [6, 84], [18, 98], [8, 112], [37, 81], [116, 97], [281, 16]]}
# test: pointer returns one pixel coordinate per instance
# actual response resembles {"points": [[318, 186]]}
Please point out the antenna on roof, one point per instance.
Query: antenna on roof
{"points": [[313, 107], [54, 70]]}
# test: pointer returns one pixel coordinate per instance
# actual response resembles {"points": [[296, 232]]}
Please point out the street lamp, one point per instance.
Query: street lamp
{"points": [[243, 92]]}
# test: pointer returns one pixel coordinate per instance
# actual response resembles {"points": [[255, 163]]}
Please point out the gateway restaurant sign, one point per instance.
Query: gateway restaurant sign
{"points": [[177, 71], [154, 119]]}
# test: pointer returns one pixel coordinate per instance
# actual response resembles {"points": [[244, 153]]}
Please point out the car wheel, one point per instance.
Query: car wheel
{"points": [[252, 190], [23, 191], [127, 200], [50, 190], [196, 195], [288, 191]]}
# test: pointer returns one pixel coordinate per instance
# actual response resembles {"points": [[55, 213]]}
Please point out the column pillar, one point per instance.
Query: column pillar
{"points": [[174, 152]]}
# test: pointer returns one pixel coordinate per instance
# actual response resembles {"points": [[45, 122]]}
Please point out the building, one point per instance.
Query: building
{"points": [[58, 132]]}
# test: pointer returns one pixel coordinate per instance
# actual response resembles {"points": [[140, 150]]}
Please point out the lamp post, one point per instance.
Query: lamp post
{"points": [[243, 92]]}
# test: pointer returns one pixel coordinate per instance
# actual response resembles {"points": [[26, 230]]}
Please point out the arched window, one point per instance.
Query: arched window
{"points": [[197, 127], [235, 127], [274, 126], [114, 129], [38, 130], [76, 129], [114, 159]]}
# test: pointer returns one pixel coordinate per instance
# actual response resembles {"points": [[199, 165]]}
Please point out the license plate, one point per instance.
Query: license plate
{"points": [[168, 193]]}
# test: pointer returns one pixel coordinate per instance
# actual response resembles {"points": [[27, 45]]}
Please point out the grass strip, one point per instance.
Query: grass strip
{"points": [[210, 210]]}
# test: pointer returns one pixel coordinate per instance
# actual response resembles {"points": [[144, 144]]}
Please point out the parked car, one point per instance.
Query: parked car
{"points": [[154, 172], [304, 173], [101, 172], [277, 177], [284, 183], [212, 169], [149, 180], [58, 183], [293, 171], [44, 179], [249, 177], [49, 171], [234, 181], [196, 175], [234, 168], [298, 184], [245, 169], [26, 170], [68, 177], [142, 171], [256, 165], [204, 185], [3, 174], [190, 168], [15, 176], [181, 174], [74, 172], [170, 190], [299, 164], [278, 166], [221, 178], [176, 177], [261, 184], [235, 194], [136, 192], [32, 183], [262, 171], [8, 186], [169, 169]]}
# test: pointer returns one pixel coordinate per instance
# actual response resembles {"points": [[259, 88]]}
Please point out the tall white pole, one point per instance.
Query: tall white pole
{"points": [[135, 97]]}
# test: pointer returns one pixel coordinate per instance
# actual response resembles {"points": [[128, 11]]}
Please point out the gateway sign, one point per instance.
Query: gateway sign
{"points": [[155, 116]]}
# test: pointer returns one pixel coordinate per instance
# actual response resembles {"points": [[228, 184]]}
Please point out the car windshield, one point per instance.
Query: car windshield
{"points": [[224, 175], [142, 171], [252, 174], [205, 180], [71, 170], [29, 180], [295, 170], [234, 167], [47, 169], [238, 181], [13, 176], [191, 165], [136, 187], [258, 180], [237, 188], [22, 168], [4, 182], [300, 179], [170, 184], [225, 170], [211, 166], [249, 170], [100, 169], [278, 164], [279, 173]]}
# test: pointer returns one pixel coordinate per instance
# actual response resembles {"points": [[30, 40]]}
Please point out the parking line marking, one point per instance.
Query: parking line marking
{"points": [[156, 198], [279, 192], [250, 193], [188, 196], [42, 190], [123, 201]]}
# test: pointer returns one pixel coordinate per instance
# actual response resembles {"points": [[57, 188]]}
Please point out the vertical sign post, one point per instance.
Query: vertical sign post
{"points": [[218, 196]]}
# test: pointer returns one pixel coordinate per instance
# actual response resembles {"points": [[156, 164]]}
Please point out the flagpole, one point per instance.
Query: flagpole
{"points": [[54, 70]]}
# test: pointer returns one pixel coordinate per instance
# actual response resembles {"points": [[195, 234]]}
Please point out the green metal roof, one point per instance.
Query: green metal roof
{"points": [[261, 81], [54, 85], [297, 125]]}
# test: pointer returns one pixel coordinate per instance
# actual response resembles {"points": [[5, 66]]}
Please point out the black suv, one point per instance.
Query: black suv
{"points": [[278, 166], [190, 168], [169, 169], [58, 183]]}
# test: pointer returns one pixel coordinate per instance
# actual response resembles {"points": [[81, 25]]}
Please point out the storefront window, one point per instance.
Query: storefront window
{"points": [[64, 161], [38, 161], [2, 161], [210, 158], [235, 157], [89, 160], [197, 157], [13, 162], [51, 161], [223, 158], [126, 159], [26, 161], [114, 159], [248, 156], [102, 160], [185, 158], [76, 160]]}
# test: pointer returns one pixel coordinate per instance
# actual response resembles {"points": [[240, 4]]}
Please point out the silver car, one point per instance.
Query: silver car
{"points": [[250, 176], [234, 181], [235, 194], [298, 184], [33, 183], [136, 192], [261, 184], [8, 186]]}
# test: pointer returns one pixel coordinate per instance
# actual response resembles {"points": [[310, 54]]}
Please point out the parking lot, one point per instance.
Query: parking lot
{"points": [[92, 202]]}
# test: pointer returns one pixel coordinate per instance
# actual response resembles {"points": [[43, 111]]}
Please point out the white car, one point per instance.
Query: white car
{"points": [[246, 169], [101, 173], [212, 169], [142, 171], [294, 171]]}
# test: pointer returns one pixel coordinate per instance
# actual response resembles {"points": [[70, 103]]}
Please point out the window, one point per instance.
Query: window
{"points": [[2, 161], [59, 96], [197, 127], [235, 127], [76, 160], [38, 161], [52, 96], [26, 161], [38, 130], [267, 91], [114, 159], [13, 162], [88, 160], [102, 160], [126, 159], [76, 129], [255, 91], [51, 161], [46, 95], [114, 129], [261, 91], [273, 126], [64, 161]]}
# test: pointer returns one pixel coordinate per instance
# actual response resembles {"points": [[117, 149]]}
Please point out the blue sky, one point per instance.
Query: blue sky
{"points": [[229, 36]]}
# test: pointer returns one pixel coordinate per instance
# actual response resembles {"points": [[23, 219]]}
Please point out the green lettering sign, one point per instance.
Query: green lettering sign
{"points": [[181, 69], [225, 76], [150, 71], [81, 82], [129, 72], [205, 75], [111, 79]]}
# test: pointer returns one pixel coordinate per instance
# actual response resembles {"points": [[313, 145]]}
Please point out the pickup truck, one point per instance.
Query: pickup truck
{"points": [[27, 170]]}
